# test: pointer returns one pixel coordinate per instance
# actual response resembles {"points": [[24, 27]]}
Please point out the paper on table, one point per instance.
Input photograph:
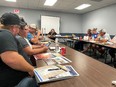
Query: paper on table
{"points": [[57, 60], [43, 74], [52, 48]]}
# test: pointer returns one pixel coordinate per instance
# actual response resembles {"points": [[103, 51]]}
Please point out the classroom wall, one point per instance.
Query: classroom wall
{"points": [[104, 18], [73, 23], [70, 23]]}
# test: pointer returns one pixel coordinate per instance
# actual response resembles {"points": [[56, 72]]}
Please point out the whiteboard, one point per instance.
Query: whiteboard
{"points": [[49, 22]]}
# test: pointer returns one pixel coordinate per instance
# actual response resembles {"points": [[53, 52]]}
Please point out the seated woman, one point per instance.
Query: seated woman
{"points": [[51, 34], [92, 36], [89, 35]]}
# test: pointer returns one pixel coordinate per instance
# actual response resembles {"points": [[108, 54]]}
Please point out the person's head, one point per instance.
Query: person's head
{"points": [[102, 32], [32, 28], [94, 31], [24, 29], [52, 30], [89, 31], [10, 21]]}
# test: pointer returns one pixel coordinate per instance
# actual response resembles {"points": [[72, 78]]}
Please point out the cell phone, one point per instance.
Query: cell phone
{"points": [[48, 44]]}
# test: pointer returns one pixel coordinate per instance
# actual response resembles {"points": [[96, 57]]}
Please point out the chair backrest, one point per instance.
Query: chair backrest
{"points": [[27, 82]]}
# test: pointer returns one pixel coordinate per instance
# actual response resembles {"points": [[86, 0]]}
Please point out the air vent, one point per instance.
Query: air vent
{"points": [[97, 0]]}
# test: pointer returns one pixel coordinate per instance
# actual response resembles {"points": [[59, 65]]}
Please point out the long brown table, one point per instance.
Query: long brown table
{"points": [[92, 72], [98, 43], [107, 45]]}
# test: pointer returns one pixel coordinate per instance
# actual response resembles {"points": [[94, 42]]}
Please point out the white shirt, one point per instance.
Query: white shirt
{"points": [[106, 37], [28, 42]]}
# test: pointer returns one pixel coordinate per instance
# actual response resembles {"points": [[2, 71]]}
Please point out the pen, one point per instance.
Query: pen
{"points": [[53, 69], [62, 67], [52, 77]]}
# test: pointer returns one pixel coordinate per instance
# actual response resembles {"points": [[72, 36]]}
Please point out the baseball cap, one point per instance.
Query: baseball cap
{"points": [[10, 19], [33, 26], [22, 24], [103, 30]]}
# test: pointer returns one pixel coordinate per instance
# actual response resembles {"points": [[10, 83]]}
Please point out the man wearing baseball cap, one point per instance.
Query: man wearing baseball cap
{"points": [[14, 63], [103, 37], [34, 34]]}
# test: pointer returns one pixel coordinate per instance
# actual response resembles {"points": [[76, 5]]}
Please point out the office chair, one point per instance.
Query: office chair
{"points": [[27, 82]]}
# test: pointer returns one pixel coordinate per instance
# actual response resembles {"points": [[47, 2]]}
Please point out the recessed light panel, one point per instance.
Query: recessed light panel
{"points": [[11, 0], [50, 2], [83, 6]]}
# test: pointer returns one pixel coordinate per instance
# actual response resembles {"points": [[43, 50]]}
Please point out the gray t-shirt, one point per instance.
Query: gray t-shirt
{"points": [[22, 41], [8, 76]]}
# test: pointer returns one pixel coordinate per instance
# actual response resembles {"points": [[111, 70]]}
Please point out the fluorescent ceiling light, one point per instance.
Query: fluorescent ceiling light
{"points": [[11, 0], [83, 6], [50, 2]]}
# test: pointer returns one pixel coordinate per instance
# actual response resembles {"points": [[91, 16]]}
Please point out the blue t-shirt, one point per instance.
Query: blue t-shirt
{"points": [[29, 36], [95, 35]]}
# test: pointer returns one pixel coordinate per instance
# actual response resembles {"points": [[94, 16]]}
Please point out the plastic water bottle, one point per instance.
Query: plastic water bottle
{"points": [[56, 40], [57, 48], [44, 34], [93, 38]]}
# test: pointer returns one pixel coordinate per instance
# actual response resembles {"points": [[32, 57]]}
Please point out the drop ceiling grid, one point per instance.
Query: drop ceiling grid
{"points": [[61, 5]]}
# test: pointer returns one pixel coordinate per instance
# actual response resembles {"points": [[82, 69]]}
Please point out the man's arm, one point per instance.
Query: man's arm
{"points": [[30, 51], [16, 61], [36, 46]]}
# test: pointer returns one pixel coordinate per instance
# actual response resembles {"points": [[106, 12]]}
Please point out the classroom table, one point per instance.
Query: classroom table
{"points": [[92, 73], [107, 45]]}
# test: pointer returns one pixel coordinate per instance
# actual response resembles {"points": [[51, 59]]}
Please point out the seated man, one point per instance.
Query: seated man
{"points": [[14, 63], [33, 35], [102, 38], [27, 47]]}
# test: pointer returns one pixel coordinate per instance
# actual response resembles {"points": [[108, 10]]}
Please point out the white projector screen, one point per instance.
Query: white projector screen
{"points": [[49, 22]]}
